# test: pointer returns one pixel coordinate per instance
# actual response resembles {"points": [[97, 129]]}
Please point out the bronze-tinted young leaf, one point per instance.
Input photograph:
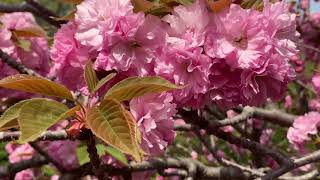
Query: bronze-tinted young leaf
{"points": [[103, 81], [90, 76], [134, 130], [37, 115], [217, 6], [108, 122], [138, 86], [11, 124], [69, 16], [142, 5], [30, 32], [12, 113], [72, 1], [34, 84]]}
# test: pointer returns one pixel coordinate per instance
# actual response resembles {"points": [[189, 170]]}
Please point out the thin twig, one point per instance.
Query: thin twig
{"points": [[46, 136], [15, 65], [308, 159], [193, 118]]}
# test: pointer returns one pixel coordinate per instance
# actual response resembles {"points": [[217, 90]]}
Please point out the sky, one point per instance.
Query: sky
{"points": [[315, 7]]}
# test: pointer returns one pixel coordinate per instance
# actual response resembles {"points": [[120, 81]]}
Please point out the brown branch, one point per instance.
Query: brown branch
{"points": [[211, 128], [46, 136], [94, 156], [308, 159], [274, 116], [160, 164], [12, 169]]}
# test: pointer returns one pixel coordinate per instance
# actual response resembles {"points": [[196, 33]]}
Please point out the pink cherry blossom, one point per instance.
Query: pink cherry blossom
{"points": [[27, 174], [154, 115], [18, 153], [302, 127], [189, 22], [69, 57], [35, 57], [186, 68], [238, 35], [316, 83], [111, 21], [38, 45], [288, 102]]}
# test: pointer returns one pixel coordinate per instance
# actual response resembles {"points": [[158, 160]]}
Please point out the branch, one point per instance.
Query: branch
{"points": [[308, 159], [160, 164], [25, 7], [14, 168], [94, 156], [15, 65], [45, 11], [46, 136], [211, 128], [301, 44], [274, 116]]}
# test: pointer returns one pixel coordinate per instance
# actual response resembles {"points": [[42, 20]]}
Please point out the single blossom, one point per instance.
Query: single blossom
{"points": [[154, 115], [111, 21], [18, 152], [186, 68], [189, 22]]}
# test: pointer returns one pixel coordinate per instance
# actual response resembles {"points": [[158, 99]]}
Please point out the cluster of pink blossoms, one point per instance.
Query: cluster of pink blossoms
{"points": [[34, 53], [229, 58], [237, 56]]}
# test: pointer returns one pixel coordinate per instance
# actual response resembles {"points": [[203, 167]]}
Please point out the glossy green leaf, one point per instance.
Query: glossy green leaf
{"points": [[108, 121], [11, 124], [34, 84], [90, 76], [103, 81], [37, 115], [138, 86]]}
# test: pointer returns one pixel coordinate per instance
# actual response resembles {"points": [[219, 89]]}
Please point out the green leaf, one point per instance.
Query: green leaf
{"points": [[138, 86], [12, 113], [83, 155], [37, 115], [34, 84], [90, 76], [103, 81], [118, 155], [108, 121], [23, 44]]}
